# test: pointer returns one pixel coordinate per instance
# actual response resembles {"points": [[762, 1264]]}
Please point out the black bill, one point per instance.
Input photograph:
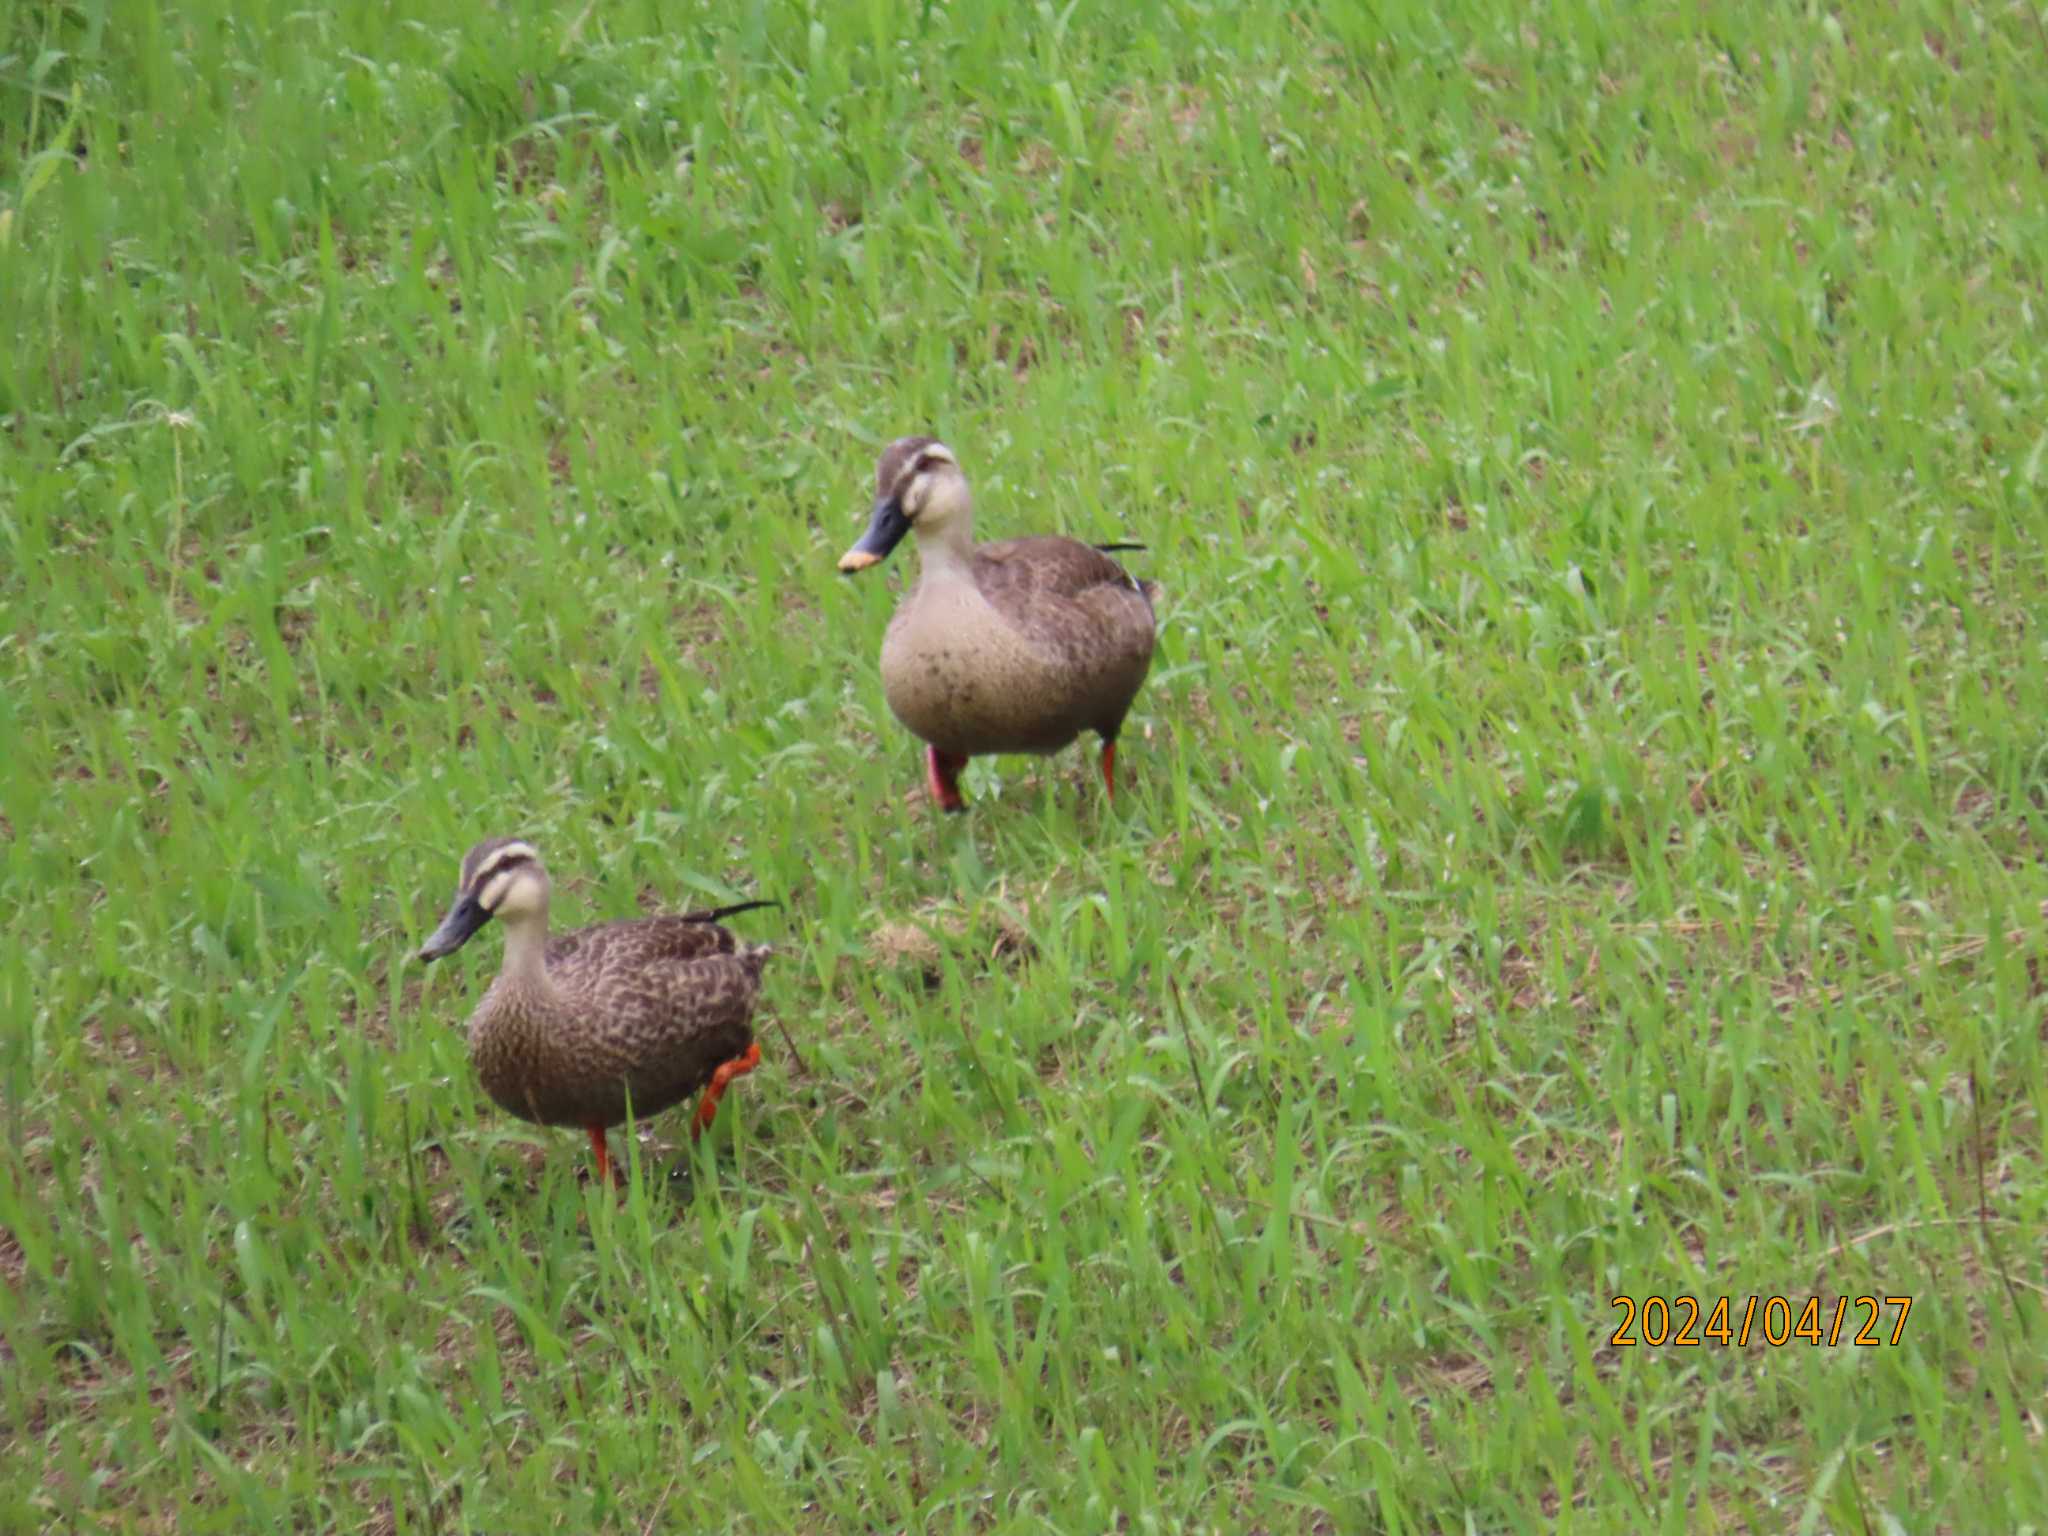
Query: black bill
{"points": [[885, 531], [463, 919]]}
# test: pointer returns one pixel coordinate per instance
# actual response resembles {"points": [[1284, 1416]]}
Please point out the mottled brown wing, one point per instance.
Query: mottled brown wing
{"points": [[1013, 571], [639, 940], [680, 1022], [670, 1024], [1073, 601]]}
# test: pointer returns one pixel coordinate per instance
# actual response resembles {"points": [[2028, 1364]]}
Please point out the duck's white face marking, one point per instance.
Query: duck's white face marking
{"points": [[512, 882], [934, 490], [518, 892]]}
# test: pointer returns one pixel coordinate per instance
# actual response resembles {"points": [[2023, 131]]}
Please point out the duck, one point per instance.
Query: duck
{"points": [[1014, 646], [580, 1028]]}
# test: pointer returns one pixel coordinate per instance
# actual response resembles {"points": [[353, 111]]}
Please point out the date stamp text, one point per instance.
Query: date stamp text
{"points": [[1779, 1321]]}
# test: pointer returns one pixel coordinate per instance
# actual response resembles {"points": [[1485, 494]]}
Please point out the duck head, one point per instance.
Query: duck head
{"points": [[502, 877], [918, 486]]}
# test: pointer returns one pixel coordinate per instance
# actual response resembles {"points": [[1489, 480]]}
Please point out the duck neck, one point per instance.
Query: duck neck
{"points": [[947, 550], [526, 943]]}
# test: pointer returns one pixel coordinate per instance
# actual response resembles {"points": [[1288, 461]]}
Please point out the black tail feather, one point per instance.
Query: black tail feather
{"points": [[1110, 549], [719, 914]]}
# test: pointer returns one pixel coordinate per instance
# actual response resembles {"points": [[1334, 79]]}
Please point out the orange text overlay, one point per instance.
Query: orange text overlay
{"points": [[1779, 1321]]}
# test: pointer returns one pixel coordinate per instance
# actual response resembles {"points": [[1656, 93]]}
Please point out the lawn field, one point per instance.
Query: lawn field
{"points": [[1582, 839]]}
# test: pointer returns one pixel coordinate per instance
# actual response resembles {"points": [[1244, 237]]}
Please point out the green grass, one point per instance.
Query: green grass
{"points": [[1584, 831]]}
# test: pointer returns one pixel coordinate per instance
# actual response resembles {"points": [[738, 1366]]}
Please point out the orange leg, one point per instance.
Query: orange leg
{"points": [[1109, 770], [600, 1152], [739, 1066], [942, 775]]}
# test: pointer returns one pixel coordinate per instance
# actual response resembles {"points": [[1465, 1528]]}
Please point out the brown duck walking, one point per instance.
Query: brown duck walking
{"points": [[579, 1027], [1017, 646]]}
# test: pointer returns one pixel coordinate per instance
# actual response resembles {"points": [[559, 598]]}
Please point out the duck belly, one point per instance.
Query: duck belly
{"points": [[970, 679], [988, 696], [540, 1098], [970, 717], [549, 1082]]}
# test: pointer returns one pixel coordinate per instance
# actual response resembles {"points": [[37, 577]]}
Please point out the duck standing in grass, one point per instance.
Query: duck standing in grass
{"points": [[1016, 646], [579, 1027]]}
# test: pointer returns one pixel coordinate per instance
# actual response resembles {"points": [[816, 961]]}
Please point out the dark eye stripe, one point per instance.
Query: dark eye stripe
{"points": [[498, 867]]}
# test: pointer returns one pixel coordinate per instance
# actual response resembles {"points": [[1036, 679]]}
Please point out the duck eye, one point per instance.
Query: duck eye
{"points": [[928, 463]]}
